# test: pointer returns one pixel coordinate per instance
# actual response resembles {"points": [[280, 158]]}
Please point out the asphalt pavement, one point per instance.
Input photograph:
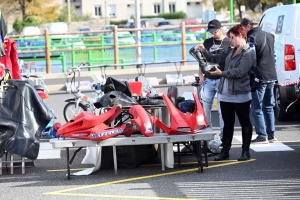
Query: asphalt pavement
{"points": [[268, 175]]}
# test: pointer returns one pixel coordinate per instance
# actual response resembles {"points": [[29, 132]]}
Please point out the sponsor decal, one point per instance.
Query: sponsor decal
{"points": [[106, 133], [148, 127], [135, 127]]}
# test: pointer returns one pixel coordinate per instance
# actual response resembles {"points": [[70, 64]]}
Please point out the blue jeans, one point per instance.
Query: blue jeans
{"points": [[210, 88], [262, 110]]}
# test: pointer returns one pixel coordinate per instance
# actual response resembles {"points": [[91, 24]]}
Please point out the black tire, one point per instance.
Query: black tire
{"points": [[69, 110], [280, 107]]}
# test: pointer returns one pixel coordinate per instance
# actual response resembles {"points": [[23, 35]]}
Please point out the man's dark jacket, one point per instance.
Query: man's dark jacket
{"points": [[265, 56]]}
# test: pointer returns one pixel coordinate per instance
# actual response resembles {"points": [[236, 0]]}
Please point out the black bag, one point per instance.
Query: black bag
{"points": [[254, 75], [112, 84]]}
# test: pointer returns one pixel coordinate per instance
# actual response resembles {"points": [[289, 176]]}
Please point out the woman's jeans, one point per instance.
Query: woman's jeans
{"points": [[242, 110], [210, 88], [262, 110]]}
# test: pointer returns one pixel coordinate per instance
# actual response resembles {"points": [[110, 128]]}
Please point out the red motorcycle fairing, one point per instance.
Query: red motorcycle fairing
{"points": [[183, 123], [98, 133], [85, 121], [141, 122]]}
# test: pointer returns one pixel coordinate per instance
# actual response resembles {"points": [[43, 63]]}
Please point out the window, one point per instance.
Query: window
{"points": [[156, 8], [197, 3], [111, 10], [172, 8], [188, 3], [98, 11]]}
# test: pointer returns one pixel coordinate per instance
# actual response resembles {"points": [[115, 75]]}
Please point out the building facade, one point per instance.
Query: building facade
{"points": [[123, 9]]}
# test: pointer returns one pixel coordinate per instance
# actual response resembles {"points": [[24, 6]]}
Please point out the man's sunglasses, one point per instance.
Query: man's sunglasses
{"points": [[213, 33]]}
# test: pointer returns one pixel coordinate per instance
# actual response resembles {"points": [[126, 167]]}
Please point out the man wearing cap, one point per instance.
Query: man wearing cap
{"points": [[215, 44], [262, 99]]}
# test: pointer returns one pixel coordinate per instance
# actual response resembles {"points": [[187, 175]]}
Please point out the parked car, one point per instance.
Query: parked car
{"points": [[58, 27], [163, 23], [194, 22], [189, 35], [68, 42], [31, 30], [283, 21], [166, 35], [148, 36], [108, 27], [123, 38], [86, 29]]}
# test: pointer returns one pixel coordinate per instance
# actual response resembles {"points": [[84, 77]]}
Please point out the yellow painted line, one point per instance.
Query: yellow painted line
{"points": [[63, 170], [65, 192], [122, 197]]}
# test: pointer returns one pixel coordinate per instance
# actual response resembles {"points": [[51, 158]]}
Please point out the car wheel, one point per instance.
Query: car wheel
{"points": [[280, 107]]}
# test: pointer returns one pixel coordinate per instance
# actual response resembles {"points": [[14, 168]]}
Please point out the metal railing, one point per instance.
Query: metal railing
{"points": [[103, 46]]}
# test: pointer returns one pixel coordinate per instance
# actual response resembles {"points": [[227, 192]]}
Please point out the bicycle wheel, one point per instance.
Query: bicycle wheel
{"points": [[70, 110]]}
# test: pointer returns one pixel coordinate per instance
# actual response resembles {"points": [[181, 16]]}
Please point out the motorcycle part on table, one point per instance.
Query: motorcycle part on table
{"points": [[23, 116]]}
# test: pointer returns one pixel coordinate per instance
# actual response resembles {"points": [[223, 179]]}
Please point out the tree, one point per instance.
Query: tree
{"points": [[43, 10]]}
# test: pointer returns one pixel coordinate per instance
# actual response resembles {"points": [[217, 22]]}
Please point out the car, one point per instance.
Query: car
{"points": [[123, 38], [31, 30], [189, 35], [166, 35], [69, 42], [283, 21], [86, 29], [58, 27], [163, 23], [148, 36], [108, 27], [194, 22]]}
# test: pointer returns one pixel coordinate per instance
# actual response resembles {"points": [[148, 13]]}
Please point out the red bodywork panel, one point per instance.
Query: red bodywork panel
{"points": [[141, 121], [91, 127], [183, 123]]}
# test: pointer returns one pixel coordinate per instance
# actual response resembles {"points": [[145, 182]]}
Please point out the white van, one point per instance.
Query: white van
{"points": [[58, 27], [284, 23]]}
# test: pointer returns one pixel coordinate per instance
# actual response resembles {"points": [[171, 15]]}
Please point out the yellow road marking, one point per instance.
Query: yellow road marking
{"points": [[66, 191]]}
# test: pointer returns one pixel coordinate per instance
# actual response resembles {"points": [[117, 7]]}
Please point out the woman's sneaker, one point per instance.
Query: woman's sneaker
{"points": [[259, 140], [272, 139]]}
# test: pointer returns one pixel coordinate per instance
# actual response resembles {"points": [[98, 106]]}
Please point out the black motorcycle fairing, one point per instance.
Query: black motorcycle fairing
{"points": [[115, 98], [23, 115]]}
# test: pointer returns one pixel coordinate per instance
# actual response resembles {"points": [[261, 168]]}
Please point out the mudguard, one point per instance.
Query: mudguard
{"points": [[142, 122], [87, 123], [183, 123]]}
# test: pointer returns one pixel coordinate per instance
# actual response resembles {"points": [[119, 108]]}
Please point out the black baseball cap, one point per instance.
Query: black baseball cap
{"points": [[213, 25], [246, 21]]}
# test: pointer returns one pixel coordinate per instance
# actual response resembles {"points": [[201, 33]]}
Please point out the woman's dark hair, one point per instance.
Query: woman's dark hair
{"points": [[236, 30]]}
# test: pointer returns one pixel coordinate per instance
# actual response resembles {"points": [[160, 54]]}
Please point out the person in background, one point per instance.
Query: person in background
{"points": [[262, 99], [215, 44], [10, 60], [234, 92]]}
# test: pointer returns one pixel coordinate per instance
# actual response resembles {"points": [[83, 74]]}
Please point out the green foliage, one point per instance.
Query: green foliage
{"points": [[118, 22], [18, 25], [177, 15]]}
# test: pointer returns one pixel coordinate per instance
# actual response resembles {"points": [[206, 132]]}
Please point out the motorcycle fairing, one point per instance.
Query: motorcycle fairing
{"points": [[98, 133], [142, 122], [183, 123], [86, 120]]}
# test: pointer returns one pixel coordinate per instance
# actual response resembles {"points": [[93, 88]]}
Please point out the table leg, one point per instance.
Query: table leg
{"points": [[199, 153], [205, 153], [162, 152], [11, 164], [68, 163], [178, 154], [0, 166], [115, 159]]}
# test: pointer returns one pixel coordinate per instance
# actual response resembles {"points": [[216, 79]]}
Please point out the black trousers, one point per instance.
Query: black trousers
{"points": [[242, 110]]}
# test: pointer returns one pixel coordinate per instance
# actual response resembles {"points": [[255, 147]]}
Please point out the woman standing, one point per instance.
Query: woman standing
{"points": [[234, 89]]}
